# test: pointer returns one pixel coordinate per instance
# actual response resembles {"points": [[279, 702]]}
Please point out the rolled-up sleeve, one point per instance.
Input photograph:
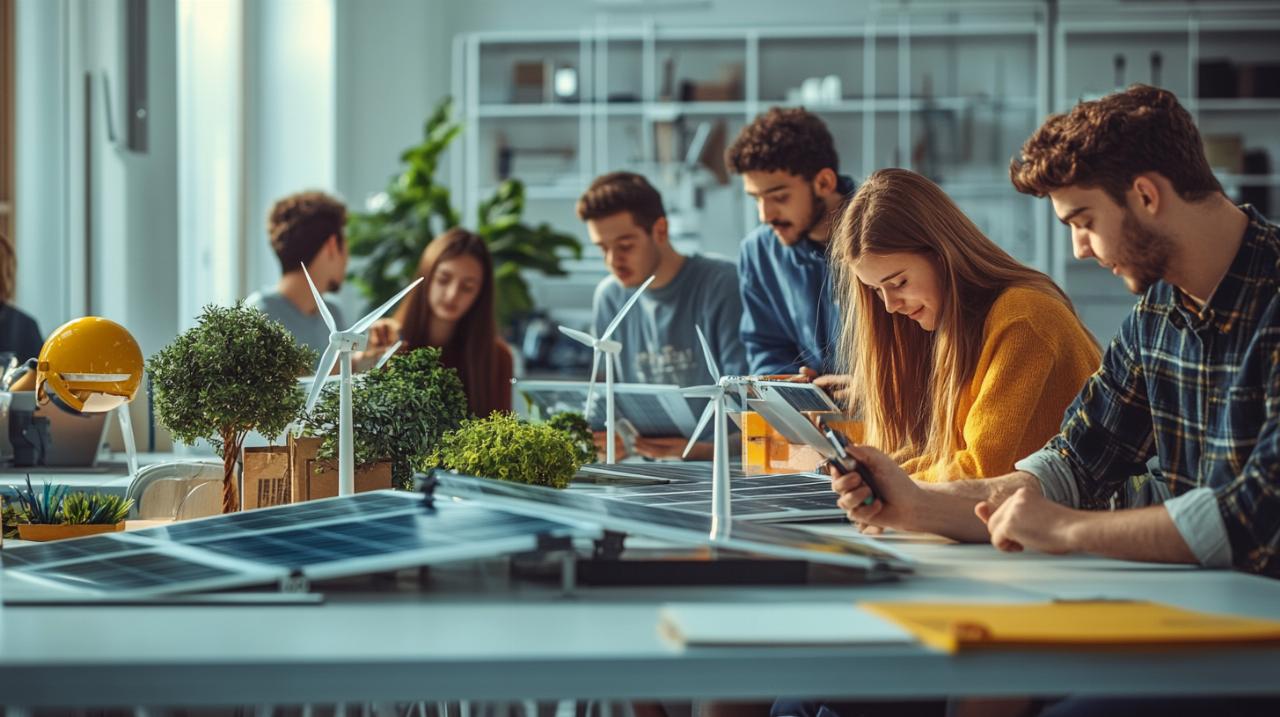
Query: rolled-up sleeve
{"points": [[1196, 516]]}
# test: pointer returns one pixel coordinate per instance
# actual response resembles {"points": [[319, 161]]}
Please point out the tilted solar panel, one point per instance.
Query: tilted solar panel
{"points": [[853, 550], [324, 539]]}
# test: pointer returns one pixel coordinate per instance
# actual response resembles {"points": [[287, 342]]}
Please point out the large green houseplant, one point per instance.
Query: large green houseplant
{"points": [[399, 412], [415, 208], [236, 371]]}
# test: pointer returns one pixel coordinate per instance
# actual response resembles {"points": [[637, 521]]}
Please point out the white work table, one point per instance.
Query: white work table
{"points": [[458, 642]]}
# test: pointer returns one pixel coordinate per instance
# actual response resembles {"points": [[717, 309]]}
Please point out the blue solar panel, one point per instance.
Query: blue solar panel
{"points": [[372, 532], [687, 487], [628, 516]]}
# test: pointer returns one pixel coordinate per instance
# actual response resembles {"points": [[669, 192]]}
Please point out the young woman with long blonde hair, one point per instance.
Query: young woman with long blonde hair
{"points": [[963, 359]]}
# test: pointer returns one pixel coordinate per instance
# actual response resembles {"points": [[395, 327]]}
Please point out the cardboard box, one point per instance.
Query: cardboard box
{"points": [[312, 478], [765, 451], [266, 477]]}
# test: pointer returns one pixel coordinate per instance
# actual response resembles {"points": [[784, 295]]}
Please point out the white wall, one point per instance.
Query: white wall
{"points": [[290, 116], [393, 66], [40, 157], [125, 201]]}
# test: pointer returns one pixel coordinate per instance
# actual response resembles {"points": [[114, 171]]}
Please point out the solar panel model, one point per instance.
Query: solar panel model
{"points": [[687, 487], [680, 527], [318, 540], [654, 410]]}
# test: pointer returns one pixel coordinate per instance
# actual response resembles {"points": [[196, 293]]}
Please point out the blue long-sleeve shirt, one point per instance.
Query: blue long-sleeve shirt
{"points": [[789, 316]]}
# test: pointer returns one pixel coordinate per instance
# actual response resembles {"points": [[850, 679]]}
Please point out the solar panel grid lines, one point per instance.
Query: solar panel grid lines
{"points": [[675, 526], [655, 410], [801, 396], [338, 537], [794, 496]]}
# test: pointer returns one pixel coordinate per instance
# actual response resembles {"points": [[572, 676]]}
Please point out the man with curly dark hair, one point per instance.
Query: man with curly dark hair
{"points": [[1192, 379], [788, 163], [305, 228]]}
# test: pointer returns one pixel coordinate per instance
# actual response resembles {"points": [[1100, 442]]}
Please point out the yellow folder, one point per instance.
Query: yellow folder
{"points": [[951, 627]]}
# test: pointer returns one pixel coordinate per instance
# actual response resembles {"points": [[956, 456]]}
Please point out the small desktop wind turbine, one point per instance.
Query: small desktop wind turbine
{"points": [[718, 395], [341, 344], [609, 347]]}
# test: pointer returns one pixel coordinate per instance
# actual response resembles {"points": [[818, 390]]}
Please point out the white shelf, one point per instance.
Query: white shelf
{"points": [[543, 191], [530, 110], [672, 110], [881, 104], [1241, 104], [1250, 180]]}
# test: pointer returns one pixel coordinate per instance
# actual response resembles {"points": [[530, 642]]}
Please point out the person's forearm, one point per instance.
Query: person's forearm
{"points": [[1143, 534], [948, 509]]}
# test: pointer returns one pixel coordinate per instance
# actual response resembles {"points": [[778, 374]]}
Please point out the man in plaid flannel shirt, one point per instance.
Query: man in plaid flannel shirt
{"points": [[1192, 379]]}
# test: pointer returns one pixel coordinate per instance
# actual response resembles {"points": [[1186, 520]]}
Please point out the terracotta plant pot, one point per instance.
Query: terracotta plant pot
{"points": [[42, 533]]}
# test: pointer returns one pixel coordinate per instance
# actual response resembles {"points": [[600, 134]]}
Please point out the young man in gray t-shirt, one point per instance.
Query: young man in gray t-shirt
{"points": [[626, 219], [305, 228]]}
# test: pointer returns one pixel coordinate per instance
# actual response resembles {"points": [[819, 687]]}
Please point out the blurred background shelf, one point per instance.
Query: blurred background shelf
{"points": [[557, 109]]}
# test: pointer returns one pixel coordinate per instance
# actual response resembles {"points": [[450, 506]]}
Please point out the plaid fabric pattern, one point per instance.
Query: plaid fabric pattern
{"points": [[1199, 388]]}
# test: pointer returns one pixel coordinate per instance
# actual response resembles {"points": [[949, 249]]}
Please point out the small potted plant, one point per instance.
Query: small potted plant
{"points": [[399, 413], [504, 447], [54, 514], [236, 371]]}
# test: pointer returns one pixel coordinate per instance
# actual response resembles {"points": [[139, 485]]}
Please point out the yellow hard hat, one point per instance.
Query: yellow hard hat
{"points": [[89, 365]]}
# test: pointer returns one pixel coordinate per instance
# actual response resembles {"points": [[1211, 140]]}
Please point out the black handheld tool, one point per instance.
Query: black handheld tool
{"points": [[845, 462]]}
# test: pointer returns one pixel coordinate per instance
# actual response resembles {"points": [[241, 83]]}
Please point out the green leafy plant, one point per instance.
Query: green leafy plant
{"points": [[11, 517], [44, 508], [517, 247], [576, 427], [504, 447], [399, 412], [53, 505], [236, 371], [414, 209], [95, 509]]}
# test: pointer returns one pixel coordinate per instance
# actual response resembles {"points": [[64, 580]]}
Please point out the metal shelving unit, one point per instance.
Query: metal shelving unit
{"points": [[902, 99], [1184, 35]]}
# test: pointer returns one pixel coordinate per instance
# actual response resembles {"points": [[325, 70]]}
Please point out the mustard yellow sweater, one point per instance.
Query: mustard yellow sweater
{"points": [[1035, 358]]}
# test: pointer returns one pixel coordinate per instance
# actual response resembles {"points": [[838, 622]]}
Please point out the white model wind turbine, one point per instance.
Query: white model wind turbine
{"points": [[605, 345], [718, 395], [341, 344]]}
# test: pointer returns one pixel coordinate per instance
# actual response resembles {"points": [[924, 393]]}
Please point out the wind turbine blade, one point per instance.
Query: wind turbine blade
{"points": [[387, 356], [707, 413], [706, 351], [320, 305], [363, 325], [591, 385], [626, 307], [323, 370], [580, 336], [701, 391]]}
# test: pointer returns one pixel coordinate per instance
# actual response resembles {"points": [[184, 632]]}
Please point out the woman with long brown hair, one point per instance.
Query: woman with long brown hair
{"points": [[963, 359], [454, 312]]}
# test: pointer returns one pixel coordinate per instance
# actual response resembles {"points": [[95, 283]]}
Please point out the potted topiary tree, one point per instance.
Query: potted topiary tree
{"points": [[399, 412], [504, 447], [236, 371]]}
